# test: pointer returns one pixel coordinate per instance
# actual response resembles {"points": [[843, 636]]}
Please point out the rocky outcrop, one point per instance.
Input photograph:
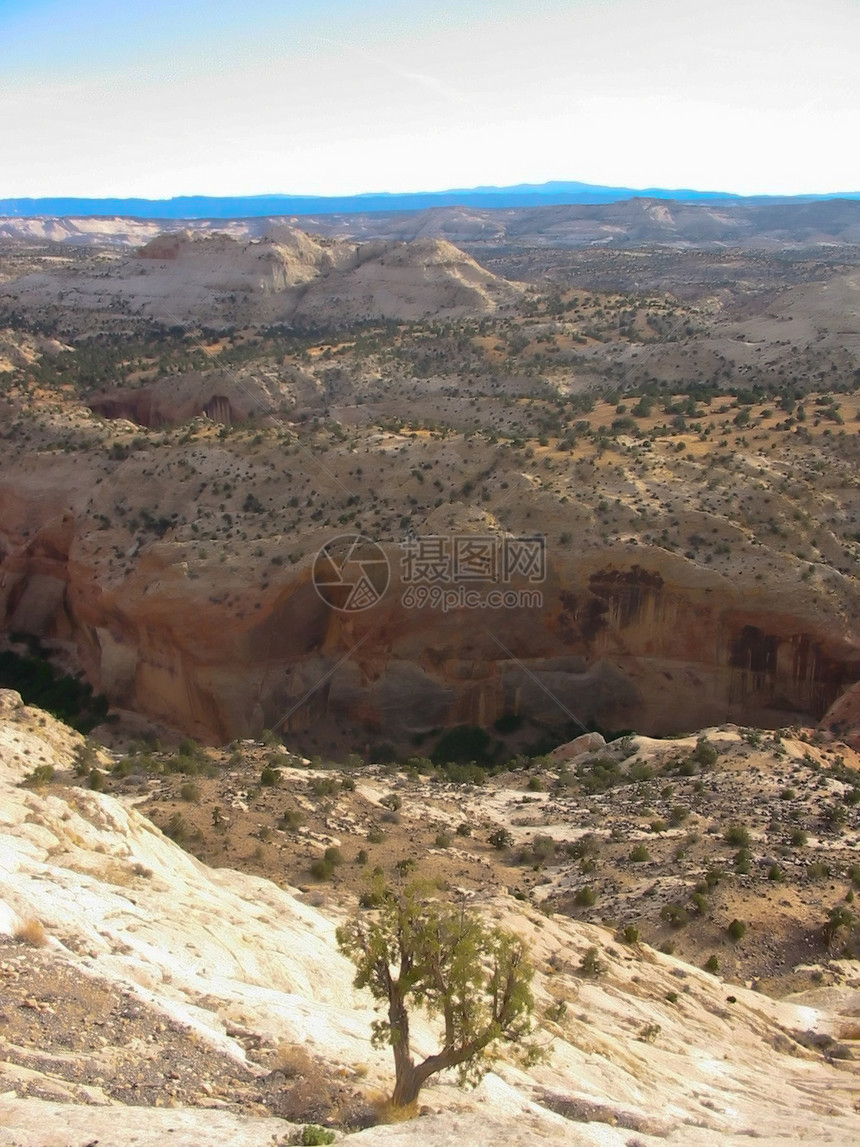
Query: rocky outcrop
{"points": [[629, 638], [285, 276]]}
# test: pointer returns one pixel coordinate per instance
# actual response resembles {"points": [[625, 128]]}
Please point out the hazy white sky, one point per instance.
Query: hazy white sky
{"points": [[119, 97]]}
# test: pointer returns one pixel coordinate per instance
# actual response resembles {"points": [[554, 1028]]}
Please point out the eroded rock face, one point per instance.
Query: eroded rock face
{"points": [[628, 637]]}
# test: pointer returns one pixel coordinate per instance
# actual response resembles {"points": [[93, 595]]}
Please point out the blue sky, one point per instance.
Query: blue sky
{"points": [[310, 97]]}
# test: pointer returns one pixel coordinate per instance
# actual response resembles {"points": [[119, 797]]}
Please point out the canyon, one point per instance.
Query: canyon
{"points": [[168, 483]]}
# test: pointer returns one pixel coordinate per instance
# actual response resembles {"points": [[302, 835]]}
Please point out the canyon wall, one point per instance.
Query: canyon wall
{"points": [[628, 636]]}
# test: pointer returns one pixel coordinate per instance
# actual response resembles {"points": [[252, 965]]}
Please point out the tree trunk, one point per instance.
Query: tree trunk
{"points": [[407, 1085]]}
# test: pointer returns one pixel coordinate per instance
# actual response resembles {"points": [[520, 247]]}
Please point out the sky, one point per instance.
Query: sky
{"points": [[336, 97]]}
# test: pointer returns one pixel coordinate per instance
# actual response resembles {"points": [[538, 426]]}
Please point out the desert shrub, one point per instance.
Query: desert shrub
{"points": [[96, 780], [464, 829], [31, 932], [443, 840], [556, 1012], [639, 854], [190, 791], [737, 835], [85, 759], [291, 819], [501, 839], [630, 935], [775, 873], [675, 915], [737, 929], [312, 1135], [798, 838], [323, 786], [712, 964], [375, 835], [591, 965], [543, 847], [699, 904], [176, 828], [838, 918], [585, 897], [705, 753], [818, 870], [269, 776], [713, 876], [743, 861], [41, 775], [600, 774]]}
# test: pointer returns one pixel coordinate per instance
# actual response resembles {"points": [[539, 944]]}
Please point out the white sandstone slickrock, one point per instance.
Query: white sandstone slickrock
{"points": [[221, 952]]}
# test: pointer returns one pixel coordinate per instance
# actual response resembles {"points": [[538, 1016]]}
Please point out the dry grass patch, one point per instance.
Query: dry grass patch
{"points": [[32, 932]]}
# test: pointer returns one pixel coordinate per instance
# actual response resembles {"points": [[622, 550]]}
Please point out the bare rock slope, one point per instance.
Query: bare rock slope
{"points": [[238, 965], [283, 276]]}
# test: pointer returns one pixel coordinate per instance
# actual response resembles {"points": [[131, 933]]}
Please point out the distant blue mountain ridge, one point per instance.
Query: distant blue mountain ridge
{"points": [[246, 206]]}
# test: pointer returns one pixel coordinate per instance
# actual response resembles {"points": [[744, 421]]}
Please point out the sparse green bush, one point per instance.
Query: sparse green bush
{"points": [[639, 853], [556, 1012], [675, 915], [291, 819], [737, 835], [712, 964], [591, 965], [585, 897], [190, 791], [705, 753], [312, 1135], [501, 839], [41, 775], [737, 929]]}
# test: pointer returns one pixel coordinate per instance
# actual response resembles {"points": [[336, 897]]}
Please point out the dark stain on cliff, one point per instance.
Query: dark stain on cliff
{"points": [[755, 651], [626, 591], [791, 672]]}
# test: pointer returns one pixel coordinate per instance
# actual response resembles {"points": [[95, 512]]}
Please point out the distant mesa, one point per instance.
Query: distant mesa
{"points": [[256, 206]]}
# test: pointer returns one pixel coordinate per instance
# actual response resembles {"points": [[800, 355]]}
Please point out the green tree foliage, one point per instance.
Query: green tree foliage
{"points": [[412, 951]]}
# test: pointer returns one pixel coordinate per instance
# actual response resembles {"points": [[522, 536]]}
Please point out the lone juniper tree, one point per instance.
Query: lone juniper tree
{"points": [[412, 951]]}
